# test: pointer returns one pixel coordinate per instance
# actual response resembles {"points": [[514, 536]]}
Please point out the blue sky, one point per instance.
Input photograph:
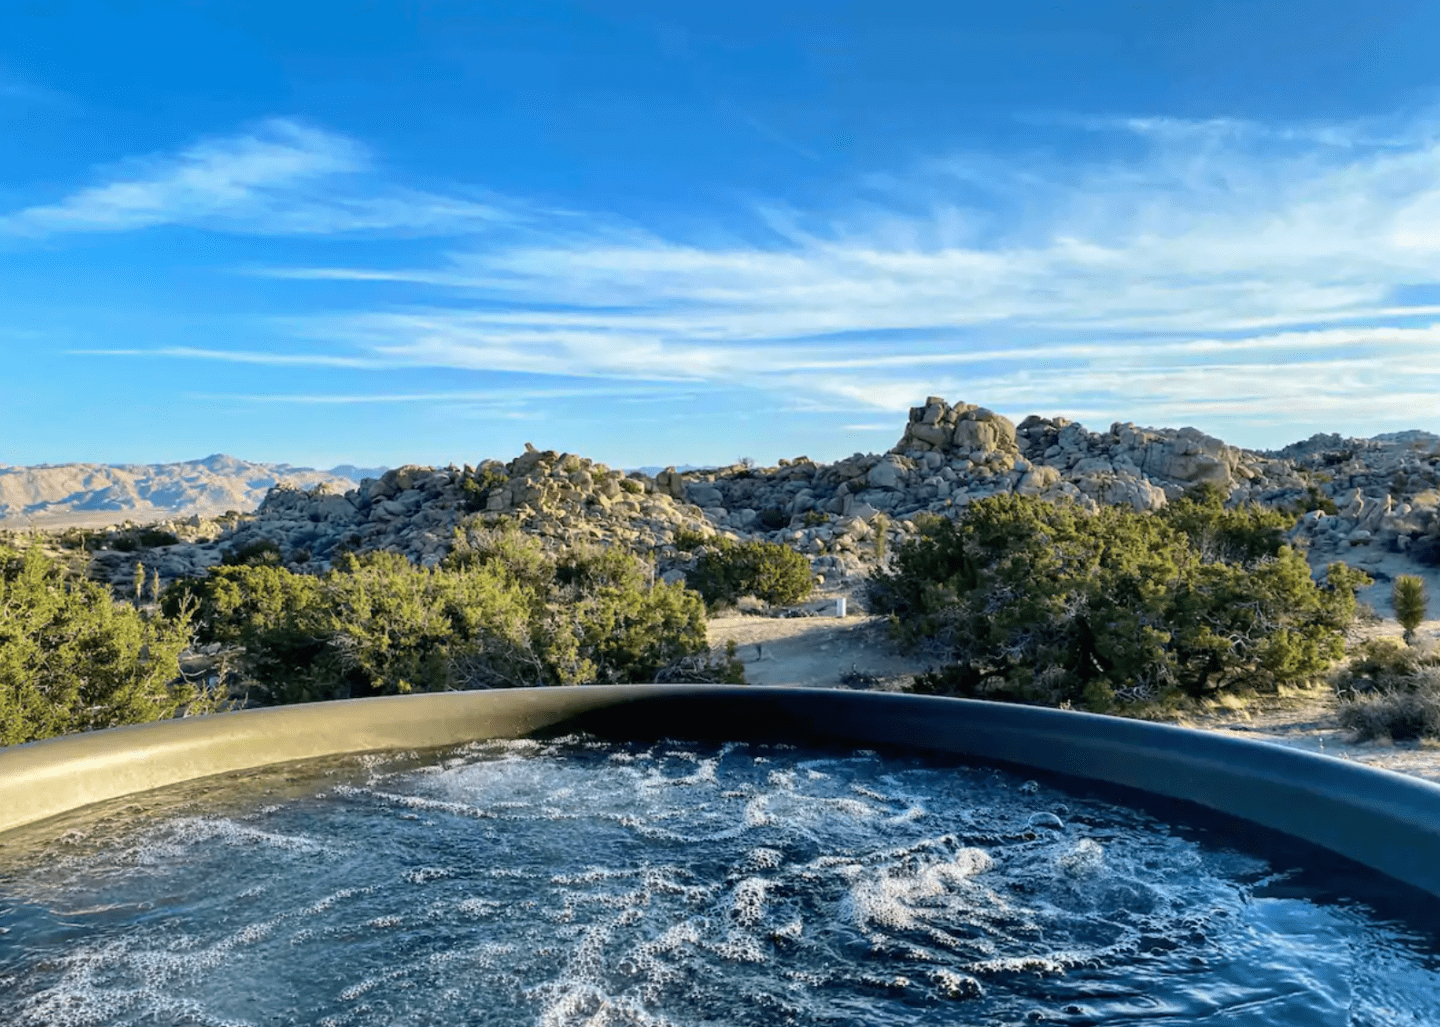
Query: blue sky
{"points": [[660, 233]]}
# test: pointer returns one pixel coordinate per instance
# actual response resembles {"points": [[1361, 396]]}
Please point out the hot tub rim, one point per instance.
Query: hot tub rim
{"points": [[1386, 821]]}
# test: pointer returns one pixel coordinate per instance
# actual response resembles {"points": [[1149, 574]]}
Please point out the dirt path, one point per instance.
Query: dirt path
{"points": [[817, 652], [813, 652]]}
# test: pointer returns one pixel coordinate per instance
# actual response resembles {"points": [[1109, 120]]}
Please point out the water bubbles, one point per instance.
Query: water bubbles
{"points": [[957, 986], [765, 859], [1085, 859], [573, 881]]}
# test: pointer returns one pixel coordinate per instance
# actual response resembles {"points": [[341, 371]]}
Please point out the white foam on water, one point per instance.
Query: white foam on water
{"points": [[576, 882], [415, 802]]}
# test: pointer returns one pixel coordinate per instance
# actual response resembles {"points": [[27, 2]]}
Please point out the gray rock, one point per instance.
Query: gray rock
{"points": [[1093, 465], [704, 495], [975, 437], [886, 474]]}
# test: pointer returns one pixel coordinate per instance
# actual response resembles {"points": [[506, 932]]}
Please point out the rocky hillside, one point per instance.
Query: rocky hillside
{"points": [[94, 494], [1383, 492]]}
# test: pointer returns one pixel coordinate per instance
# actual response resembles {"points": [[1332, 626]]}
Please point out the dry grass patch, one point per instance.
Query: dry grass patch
{"points": [[1396, 714]]}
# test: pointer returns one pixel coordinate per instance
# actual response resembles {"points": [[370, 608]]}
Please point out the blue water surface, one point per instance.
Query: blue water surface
{"points": [[585, 882]]}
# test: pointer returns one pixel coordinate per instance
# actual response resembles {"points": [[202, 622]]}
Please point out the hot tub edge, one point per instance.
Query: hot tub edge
{"points": [[1382, 820]]}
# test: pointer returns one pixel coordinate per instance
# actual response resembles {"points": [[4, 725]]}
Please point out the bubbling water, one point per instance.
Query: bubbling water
{"points": [[576, 881]]}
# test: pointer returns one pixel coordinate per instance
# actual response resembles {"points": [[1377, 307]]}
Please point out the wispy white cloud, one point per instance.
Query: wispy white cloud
{"points": [[500, 397], [244, 357], [1399, 130], [1231, 270], [504, 342], [282, 178]]}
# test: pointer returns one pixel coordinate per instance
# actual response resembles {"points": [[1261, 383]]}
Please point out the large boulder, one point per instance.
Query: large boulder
{"points": [[670, 482], [938, 426], [1192, 457], [930, 434], [1037, 480], [974, 435], [887, 474], [984, 430], [703, 494], [1136, 493]]}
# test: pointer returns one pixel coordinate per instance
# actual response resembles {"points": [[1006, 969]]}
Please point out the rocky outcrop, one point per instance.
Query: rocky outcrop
{"points": [[1385, 491]]}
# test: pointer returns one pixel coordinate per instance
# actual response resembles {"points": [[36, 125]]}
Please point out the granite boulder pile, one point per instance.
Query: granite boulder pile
{"points": [[1384, 491]]}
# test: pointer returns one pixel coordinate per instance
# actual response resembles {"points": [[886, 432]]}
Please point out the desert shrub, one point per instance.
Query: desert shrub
{"points": [[773, 518], [1367, 614], [498, 612], [84, 539], [349, 544], [1426, 551], [627, 630], [1043, 603], [882, 524], [475, 497], [1314, 500], [396, 628], [378, 625], [688, 540], [1236, 535], [855, 678], [261, 552], [477, 490], [520, 557], [1398, 714], [72, 659], [633, 487], [925, 519], [767, 570], [814, 518], [708, 667], [152, 538], [1382, 665], [1410, 601], [239, 603], [269, 612]]}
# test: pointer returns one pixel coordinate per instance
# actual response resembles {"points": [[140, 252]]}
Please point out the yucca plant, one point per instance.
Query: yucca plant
{"points": [[1410, 601]]}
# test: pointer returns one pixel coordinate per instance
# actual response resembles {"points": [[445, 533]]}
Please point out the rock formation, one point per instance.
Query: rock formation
{"points": [[1385, 491]]}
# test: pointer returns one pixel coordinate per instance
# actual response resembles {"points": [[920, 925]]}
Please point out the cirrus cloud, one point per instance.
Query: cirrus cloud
{"points": [[281, 178]]}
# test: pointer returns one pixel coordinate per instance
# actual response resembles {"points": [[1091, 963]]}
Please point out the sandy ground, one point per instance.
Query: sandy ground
{"points": [[817, 651]]}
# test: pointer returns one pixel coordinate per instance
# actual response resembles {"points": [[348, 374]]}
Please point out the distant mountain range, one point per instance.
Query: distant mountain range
{"points": [[55, 495], [93, 495]]}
